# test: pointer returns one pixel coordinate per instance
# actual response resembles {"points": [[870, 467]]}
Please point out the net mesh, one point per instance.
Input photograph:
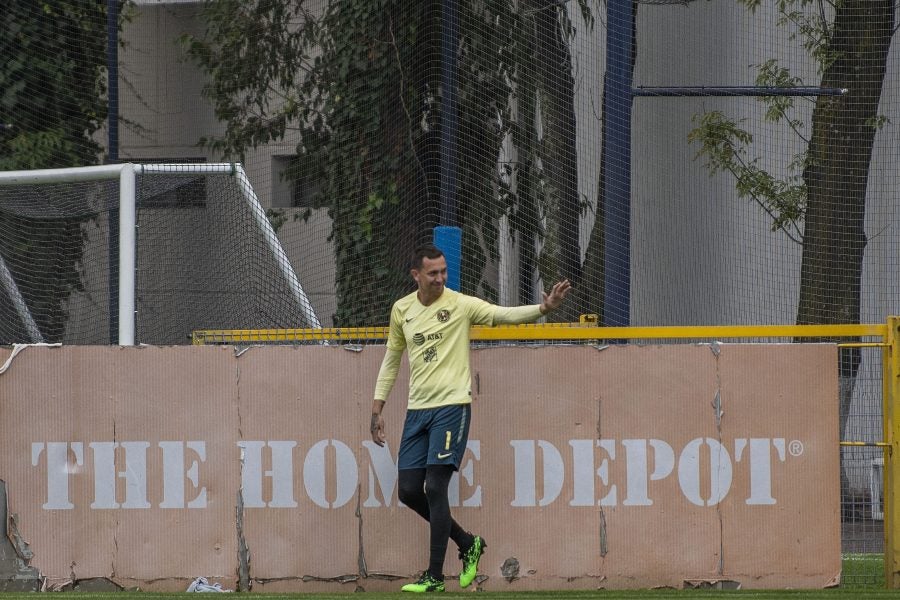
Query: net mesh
{"points": [[54, 262], [206, 257], [363, 124]]}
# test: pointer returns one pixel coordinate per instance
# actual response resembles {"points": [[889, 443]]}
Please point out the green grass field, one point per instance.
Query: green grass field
{"points": [[863, 570], [833, 594], [862, 573]]}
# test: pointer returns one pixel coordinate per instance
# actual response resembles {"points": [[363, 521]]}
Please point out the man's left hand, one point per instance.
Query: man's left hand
{"points": [[555, 298]]}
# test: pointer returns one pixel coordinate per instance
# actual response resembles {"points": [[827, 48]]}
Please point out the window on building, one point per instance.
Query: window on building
{"points": [[294, 184]]}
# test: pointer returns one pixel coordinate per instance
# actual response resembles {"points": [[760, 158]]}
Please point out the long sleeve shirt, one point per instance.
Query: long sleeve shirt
{"points": [[436, 338]]}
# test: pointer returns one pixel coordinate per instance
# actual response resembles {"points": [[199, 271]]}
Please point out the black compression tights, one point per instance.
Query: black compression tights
{"points": [[425, 491]]}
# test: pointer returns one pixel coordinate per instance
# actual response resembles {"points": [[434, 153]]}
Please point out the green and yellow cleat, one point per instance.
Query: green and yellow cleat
{"points": [[470, 558], [426, 583]]}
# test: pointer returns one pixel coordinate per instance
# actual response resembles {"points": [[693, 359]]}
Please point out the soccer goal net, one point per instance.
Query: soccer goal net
{"points": [[140, 254]]}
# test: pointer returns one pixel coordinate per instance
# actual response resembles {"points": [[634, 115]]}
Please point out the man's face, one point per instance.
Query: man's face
{"points": [[431, 278]]}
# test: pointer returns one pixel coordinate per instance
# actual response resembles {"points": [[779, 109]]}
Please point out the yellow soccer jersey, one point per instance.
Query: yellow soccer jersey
{"points": [[436, 339]]}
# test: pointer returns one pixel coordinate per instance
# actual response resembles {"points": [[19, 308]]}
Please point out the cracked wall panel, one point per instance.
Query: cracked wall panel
{"points": [[179, 400], [55, 401], [15, 554], [304, 412], [789, 399], [549, 396], [394, 538], [136, 398]]}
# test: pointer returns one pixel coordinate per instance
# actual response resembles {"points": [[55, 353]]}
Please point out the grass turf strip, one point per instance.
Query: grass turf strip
{"points": [[830, 594]]}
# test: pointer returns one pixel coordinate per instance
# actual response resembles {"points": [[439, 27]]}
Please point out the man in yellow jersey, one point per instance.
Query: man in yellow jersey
{"points": [[432, 325]]}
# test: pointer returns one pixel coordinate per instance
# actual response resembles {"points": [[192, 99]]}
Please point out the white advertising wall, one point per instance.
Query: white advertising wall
{"points": [[623, 467]]}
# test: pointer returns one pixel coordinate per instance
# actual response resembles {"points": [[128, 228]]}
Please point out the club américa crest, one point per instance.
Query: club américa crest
{"points": [[443, 315]]}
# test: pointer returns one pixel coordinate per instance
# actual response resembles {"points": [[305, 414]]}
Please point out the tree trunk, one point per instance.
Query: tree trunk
{"points": [[525, 220], [561, 257], [483, 92], [839, 153]]}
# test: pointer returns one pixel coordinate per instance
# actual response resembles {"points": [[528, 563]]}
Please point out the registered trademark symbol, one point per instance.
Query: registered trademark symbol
{"points": [[795, 448]]}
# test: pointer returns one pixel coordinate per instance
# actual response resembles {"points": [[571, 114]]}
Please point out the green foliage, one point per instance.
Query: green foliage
{"points": [[723, 143], [771, 74], [36, 149], [849, 41], [360, 82], [488, 66], [52, 82], [52, 105], [345, 79], [877, 122], [721, 140], [374, 203], [276, 218], [812, 28]]}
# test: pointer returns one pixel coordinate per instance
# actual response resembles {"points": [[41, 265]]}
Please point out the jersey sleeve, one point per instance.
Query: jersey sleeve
{"points": [[396, 339], [484, 313], [480, 312], [514, 315], [390, 365], [387, 374]]}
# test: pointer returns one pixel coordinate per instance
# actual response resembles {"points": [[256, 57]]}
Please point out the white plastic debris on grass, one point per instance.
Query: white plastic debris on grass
{"points": [[201, 584]]}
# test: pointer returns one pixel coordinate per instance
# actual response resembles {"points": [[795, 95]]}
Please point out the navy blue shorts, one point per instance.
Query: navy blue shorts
{"points": [[434, 436]]}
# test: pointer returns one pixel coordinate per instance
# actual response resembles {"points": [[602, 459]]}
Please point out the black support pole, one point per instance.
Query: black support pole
{"points": [[112, 156], [449, 116]]}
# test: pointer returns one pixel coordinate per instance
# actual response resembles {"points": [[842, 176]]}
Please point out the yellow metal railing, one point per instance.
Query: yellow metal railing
{"points": [[551, 331], [588, 330], [891, 420]]}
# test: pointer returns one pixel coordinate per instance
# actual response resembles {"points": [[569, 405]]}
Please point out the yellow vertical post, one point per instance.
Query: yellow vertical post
{"points": [[891, 394]]}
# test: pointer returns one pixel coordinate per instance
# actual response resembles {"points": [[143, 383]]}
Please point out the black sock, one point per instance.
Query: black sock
{"points": [[437, 479], [465, 540]]}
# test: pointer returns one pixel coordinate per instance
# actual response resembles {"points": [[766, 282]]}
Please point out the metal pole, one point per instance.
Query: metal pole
{"points": [[276, 248], [127, 255], [449, 231], [8, 283], [617, 185], [112, 152], [449, 117], [112, 72], [739, 90], [891, 422], [449, 240]]}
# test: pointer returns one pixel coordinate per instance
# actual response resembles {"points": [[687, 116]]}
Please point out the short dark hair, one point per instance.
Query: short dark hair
{"points": [[422, 252]]}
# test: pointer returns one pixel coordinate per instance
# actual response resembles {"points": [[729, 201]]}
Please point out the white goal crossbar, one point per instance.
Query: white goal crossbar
{"points": [[126, 173]]}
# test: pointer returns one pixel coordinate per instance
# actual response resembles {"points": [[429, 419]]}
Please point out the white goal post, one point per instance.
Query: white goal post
{"points": [[126, 173]]}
